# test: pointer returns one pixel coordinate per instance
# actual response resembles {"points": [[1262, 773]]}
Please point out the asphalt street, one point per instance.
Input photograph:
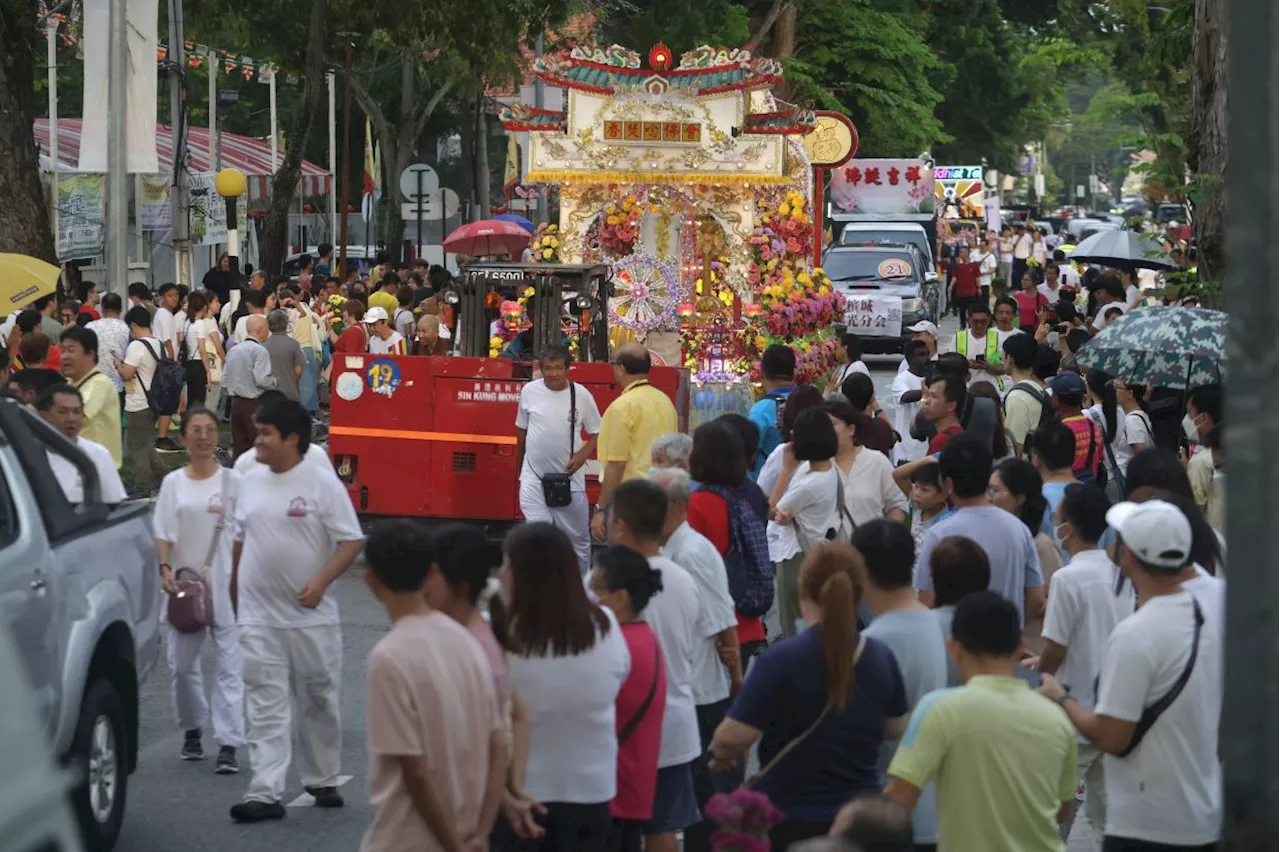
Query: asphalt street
{"points": [[177, 806]]}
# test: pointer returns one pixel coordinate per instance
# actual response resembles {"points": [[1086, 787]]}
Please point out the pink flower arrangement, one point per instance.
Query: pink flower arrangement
{"points": [[745, 818]]}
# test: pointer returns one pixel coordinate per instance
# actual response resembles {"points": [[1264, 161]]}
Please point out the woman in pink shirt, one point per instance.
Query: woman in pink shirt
{"points": [[1030, 303], [623, 581]]}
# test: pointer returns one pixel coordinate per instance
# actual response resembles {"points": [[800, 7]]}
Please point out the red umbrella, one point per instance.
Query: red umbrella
{"points": [[488, 237]]}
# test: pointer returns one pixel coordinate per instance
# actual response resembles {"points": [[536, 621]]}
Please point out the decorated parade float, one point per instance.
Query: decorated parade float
{"points": [[691, 181]]}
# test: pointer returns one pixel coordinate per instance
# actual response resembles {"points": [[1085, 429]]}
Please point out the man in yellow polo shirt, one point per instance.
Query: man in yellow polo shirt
{"points": [[101, 402], [385, 296], [1002, 757], [632, 422]]}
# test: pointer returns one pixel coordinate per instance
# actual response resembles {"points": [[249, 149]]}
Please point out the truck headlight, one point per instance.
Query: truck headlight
{"points": [[911, 306]]}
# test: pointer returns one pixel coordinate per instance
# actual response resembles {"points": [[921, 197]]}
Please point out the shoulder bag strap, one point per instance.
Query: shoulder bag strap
{"points": [[154, 357], [795, 742], [1111, 454], [225, 498], [842, 510], [573, 417], [634, 722], [1152, 713]]}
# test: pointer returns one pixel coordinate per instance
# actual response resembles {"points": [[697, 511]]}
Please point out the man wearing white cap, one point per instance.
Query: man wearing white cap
{"points": [[383, 339], [1159, 694], [928, 332]]}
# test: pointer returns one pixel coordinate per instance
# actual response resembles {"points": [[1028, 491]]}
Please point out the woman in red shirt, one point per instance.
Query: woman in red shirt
{"points": [[1030, 302], [719, 458], [354, 338], [623, 581], [965, 276]]}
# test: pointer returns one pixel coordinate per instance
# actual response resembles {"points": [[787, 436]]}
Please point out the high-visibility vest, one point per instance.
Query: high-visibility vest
{"points": [[993, 350]]}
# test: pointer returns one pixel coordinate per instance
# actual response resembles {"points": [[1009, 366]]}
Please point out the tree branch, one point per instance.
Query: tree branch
{"points": [[425, 111], [771, 18], [371, 108]]}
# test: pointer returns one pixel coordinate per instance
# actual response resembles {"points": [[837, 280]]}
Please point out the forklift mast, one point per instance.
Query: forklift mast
{"points": [[585, 288]]}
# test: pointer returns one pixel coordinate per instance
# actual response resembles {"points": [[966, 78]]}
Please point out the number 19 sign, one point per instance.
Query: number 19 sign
{"points": [[873, 316]]}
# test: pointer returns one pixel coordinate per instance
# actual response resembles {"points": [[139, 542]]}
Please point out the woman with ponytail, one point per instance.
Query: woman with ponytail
{"points": [[1107, 413], [820, 703]]}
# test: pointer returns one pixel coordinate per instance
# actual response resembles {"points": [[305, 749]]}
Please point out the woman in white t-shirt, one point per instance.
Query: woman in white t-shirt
{"points": [[1107, 414], [1137, 423], [204, 352], [193, 504], [567, 659], [805, 506], [849, 358], [867, 476]]}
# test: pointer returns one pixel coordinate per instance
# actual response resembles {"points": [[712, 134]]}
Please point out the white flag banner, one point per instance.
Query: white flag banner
{"points": [[142, 21]]}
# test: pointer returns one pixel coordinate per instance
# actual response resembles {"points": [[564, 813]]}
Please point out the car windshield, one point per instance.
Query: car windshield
{"points": [[868, 265]]}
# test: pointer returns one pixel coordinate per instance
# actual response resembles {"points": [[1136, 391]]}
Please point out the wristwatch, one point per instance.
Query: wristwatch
{"points": [[596, 507], [1061, 700]]}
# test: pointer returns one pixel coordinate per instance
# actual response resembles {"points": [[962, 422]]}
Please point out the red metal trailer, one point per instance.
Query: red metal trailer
{"points": [[435, 437]]}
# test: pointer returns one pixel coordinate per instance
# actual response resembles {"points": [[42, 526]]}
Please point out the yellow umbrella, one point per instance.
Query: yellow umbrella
{"points": [[24, 279]]}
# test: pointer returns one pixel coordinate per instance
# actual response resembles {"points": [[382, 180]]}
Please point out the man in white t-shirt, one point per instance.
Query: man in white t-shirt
{"points": [[927, 333], [138, 368], [383, 339], [717, 663], [296, 533], [248, 462], [638, 515], [1022, 244], [62, 407], [907, 391], [988, 263], [1006, 255], [1066, 272], [544, 432], [168, 330], [1163, 776], [1083, 610]]}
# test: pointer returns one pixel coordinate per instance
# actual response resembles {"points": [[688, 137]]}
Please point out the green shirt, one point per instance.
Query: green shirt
{"points": [[1003, 759]]}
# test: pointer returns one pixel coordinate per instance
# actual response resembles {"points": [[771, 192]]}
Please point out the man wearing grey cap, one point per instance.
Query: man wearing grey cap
{"points": [[1159, 694]]}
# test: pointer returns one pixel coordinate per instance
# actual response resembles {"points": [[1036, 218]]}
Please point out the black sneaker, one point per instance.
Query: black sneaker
{"points": [[326, 797], [191, 748], [168, 445], [257, 811], [226, 763]]}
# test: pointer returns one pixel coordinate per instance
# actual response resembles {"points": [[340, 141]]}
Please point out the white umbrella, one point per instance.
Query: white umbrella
{"points": [[1123, 248]]}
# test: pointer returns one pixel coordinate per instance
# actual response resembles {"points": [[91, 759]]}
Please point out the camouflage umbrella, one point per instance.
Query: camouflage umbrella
{"points": [[1164, 347]]}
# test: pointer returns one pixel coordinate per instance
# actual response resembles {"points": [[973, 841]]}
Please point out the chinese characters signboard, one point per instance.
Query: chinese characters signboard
{"points": [[883, 187], [873, 316]]}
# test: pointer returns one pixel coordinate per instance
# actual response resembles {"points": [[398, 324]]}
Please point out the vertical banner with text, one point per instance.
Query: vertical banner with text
{"points": [[81, 212]]}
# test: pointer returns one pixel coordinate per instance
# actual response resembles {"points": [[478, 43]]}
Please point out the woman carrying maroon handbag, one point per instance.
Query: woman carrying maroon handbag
{"points": [[194, 548]]}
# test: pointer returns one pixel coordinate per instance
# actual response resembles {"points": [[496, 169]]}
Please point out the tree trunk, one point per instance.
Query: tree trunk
{"points": [[1208, 144], [24, 215], [483, 180], [284, 186]]}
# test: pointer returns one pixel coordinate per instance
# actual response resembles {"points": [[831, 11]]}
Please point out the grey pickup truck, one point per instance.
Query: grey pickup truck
{"points": [[80, 590]]}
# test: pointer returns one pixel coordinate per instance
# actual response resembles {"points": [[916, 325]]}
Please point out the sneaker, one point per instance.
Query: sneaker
{"points": [[168, 445], [191, 748], [326, 797], [226, 763], [257, 811]]}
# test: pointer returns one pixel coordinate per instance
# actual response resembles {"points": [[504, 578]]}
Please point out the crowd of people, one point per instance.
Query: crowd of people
{"points": [[938, 628]]}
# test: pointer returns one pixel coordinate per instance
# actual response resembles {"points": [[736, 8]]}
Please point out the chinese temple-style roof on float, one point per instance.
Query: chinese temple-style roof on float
{"points": [[520, 118], [702, 71], [789, 121]]}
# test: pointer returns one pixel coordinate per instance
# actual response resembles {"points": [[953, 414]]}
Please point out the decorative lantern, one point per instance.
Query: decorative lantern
{"points": [[660, 57]]}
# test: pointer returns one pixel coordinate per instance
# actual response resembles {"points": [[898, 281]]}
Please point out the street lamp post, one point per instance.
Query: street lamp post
{"points": [[231, 184], [346, 154]]}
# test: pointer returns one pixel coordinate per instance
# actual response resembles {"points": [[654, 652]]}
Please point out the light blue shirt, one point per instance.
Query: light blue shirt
{"points": [[765, 414], [1015, 565], [916, 639]]}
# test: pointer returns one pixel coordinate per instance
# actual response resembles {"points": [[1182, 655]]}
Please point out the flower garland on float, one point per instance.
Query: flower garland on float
{"points": [[797, 307], [620, 227], [546, 244]]}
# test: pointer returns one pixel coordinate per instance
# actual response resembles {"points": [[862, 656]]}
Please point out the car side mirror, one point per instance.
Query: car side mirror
{"points": [[931, 277]]}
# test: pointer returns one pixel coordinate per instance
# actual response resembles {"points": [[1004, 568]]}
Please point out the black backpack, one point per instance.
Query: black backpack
{"points": [[1047, 414], [165, 394]]}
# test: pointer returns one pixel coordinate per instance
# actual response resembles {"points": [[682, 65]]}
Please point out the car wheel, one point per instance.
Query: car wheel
{"points": [[99, 749]]}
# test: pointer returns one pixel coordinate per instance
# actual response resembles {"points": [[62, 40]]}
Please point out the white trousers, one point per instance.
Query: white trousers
{"points": [[574, 519], [303, 664], [186, 675]]}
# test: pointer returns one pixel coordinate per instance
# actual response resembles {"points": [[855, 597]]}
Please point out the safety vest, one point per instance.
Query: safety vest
{"points": [[993, 350]]}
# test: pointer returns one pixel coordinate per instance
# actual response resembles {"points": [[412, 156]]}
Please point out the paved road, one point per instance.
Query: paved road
{"points": [[183, 806]]}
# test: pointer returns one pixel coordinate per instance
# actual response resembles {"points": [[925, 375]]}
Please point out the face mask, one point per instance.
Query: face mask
{"points": [[1061, 531], [1189, 427]]}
